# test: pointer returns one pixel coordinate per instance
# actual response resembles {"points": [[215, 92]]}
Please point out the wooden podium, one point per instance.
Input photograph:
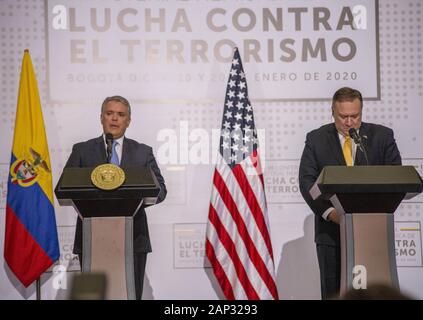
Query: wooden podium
{"points": [[107, 222], [366, 197]]}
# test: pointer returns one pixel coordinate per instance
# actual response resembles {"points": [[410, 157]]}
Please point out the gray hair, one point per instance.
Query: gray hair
{"points": [[118, 99]]}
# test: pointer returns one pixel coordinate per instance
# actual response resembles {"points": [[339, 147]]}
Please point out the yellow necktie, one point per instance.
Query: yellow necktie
{"points": [[347, 150]]}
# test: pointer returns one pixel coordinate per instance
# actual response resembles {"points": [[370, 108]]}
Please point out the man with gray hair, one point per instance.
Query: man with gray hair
{"points": [[115, 118]]}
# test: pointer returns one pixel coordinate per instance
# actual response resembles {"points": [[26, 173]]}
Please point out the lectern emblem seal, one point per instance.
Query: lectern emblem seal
{"points": [[107, 176]]}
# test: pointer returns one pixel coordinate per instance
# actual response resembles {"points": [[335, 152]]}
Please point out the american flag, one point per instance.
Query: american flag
{"points": [[238, 242]]}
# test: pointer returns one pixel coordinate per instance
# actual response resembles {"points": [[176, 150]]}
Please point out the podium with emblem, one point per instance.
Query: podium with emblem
{"points": [[107, 199]]}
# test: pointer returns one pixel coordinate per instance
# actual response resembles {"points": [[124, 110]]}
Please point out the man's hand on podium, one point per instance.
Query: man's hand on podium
{"points": [[334, 216]]}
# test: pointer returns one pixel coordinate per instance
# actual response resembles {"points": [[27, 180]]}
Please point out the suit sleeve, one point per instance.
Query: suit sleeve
{"points": [[391, 152], [308, 174], [75, 158], [151, 161]]}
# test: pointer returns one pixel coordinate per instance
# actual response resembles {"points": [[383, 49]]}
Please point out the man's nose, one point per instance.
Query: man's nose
{"points": [[348, 121]]}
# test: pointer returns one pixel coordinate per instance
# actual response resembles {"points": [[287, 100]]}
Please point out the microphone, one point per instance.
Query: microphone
{"points": [[357, 140], [353, 134], [109, 142]]}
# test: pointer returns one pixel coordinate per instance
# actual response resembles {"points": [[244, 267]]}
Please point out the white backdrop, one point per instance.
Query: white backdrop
{"points": [[171, 60]]}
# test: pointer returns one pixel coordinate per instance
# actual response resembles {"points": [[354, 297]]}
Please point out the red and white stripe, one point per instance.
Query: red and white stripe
{"points": [[238, 241]]}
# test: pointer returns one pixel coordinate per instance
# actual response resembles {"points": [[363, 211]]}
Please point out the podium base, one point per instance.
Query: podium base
{"points": [[367, 251], [108, 248]]}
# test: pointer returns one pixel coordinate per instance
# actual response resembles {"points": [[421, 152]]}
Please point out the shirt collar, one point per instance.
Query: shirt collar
{"points": [[119, 141], [342, 137]]}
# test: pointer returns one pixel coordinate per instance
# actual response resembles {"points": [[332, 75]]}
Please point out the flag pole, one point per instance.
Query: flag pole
{"points": [[38, 288]]}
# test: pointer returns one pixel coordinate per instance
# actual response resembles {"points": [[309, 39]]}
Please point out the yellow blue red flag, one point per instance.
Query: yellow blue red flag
{"points": [[31, 245]]}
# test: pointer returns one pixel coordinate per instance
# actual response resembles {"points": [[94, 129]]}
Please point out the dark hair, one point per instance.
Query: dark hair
{"points": [[118, 99], [347, 94]]}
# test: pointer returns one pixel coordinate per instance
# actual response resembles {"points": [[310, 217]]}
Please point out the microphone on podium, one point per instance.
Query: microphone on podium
{"points": [[109, 142], [357, 140]]}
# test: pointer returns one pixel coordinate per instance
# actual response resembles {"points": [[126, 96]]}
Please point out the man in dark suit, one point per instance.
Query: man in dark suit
{"points": [[115, 118], [332, 145]]}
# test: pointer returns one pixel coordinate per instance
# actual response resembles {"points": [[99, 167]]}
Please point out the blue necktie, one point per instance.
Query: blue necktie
{"points": [[115, 158]]}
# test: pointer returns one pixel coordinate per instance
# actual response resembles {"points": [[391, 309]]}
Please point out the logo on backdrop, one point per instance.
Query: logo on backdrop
{"points": [[180, 52], [408, 243], [68, 261], [281, 182], [189, 245]]}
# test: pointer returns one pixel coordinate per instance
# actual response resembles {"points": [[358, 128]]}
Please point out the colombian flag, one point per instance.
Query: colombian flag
{"points": [[31, 245]]}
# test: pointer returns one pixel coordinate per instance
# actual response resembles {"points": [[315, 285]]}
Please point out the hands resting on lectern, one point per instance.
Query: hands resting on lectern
{"points": [[334, 216]]}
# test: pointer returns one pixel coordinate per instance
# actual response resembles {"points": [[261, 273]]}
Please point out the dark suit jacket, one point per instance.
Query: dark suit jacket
{"points": [[92, 153], [323, 148]]}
